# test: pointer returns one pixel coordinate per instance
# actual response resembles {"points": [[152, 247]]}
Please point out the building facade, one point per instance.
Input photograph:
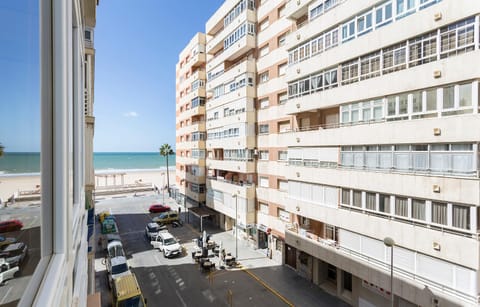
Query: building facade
{"points": [[334, 125], [57, 271], [190, 123]]}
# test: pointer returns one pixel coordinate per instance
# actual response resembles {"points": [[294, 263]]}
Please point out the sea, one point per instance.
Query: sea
{"points": [[28, 163]]}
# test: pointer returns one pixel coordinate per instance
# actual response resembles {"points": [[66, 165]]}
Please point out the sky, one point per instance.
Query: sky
{"points": [[137, 45]]}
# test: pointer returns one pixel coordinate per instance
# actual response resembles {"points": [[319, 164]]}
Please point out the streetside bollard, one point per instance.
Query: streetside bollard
{"points": [[229, 297]]}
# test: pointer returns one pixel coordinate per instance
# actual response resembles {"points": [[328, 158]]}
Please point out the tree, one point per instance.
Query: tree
{"points": [[1, 149], [165, 151]]}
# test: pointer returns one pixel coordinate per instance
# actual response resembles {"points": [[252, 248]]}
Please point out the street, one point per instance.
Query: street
{"points": [[181, 282]]}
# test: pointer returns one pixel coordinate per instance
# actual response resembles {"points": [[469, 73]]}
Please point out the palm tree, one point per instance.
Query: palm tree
{"points": [[165, 151], [1, 149]]}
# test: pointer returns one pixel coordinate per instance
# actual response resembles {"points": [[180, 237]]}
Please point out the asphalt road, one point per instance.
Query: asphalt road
{"points": [[178, 281], [13, 289]]}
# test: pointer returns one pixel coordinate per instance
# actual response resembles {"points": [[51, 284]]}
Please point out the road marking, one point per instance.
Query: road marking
{"points": [[275, 292], [6, 295], [181, 299]]}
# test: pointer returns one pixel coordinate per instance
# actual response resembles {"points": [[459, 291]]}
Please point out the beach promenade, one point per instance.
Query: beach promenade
{"points": [[30, 184]]}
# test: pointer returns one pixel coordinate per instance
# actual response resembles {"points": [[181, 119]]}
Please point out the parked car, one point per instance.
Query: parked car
{"points": [[116, 267], [167, 244], [155, 208], [6, 241], [152, 229], [166, 217], [14, 253], [10, 225], [6, 271], [115, 249]]}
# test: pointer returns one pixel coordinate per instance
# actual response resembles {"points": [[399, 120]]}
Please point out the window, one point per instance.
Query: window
{"points": [[264, 103], [401, 206], [264, 51], [331, 232], [282, 39], [384, 203], [383, 14], [263, 129], [263, 155], [439, 213], [461, 217], [418, 209], [357, 198], [348, 30], [284, 126], [465, 95], [283, 215], [449, 97], [281, 11], [331, 273], [283, 155], [364, 23], [347, 281], [263, 77], [345, 196], [282, 185], [264, 24], [263, 208], [282, 98], [264, 182], [282, 69], [371, 201]]}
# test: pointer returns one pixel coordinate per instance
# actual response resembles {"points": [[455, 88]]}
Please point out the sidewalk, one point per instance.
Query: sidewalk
{"points": [[279, 279]]}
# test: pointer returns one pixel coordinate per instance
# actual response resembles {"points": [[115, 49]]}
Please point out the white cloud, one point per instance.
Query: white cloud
{"points": [[130, 114]]}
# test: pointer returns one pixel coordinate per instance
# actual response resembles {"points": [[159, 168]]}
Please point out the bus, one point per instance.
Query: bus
{"points": [[127, 293]]}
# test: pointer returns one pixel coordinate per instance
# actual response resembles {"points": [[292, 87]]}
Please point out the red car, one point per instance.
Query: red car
{"points": [[158, 208], [11, 225]]}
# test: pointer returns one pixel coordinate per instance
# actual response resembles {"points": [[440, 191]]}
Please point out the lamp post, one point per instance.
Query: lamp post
{"points": [[389, 242], [236, 225], [163, 190]]}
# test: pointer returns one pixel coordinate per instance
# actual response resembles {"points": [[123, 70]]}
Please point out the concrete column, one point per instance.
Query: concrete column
{"points": [[315, 269]]}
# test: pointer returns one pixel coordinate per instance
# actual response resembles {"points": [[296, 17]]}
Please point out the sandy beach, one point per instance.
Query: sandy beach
{"points": [[13, 184]]}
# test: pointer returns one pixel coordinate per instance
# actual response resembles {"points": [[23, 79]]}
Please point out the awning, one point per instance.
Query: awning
{"points": [[202, 211]]}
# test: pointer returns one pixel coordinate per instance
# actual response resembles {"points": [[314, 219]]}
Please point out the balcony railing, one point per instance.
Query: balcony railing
{"points": [[239, 183]]}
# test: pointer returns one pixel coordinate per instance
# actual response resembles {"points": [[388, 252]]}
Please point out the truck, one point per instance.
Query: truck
{"points": [[126, 292]]}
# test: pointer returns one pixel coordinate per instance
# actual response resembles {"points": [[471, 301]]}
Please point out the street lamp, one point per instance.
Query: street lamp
{"points": [[236, 225], [163, 190], [389, 242]]}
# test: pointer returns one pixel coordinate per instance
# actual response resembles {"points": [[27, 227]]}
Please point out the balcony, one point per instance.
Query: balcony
{"points": [[242, 46], [199, 197], [244, 117], [190, 160], [191, 145], [187, 114], [197, 60], [245, 190], [194, 127], [216, 43], [296, 8], [230, 72], [243, 92], [198, 179], [241, 166], [233, 142]]}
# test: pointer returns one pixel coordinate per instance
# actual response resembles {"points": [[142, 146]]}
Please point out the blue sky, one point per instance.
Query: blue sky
{"points": [[137, 45]]}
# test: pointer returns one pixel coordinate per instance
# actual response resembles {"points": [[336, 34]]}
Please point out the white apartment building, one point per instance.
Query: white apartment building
{"points": [[231, 92], [190, 123], [385, 98], [335, 124]]}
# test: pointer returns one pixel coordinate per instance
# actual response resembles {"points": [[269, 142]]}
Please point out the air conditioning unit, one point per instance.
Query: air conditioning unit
{"points": [[437, 131], [437, 16], [437, 73]]}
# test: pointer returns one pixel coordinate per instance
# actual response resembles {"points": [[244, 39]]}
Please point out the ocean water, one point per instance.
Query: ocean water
{"points": [[29, 162]]}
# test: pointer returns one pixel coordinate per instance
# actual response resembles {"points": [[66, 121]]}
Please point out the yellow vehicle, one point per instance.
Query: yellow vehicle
{"points": [[126, 292]]}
